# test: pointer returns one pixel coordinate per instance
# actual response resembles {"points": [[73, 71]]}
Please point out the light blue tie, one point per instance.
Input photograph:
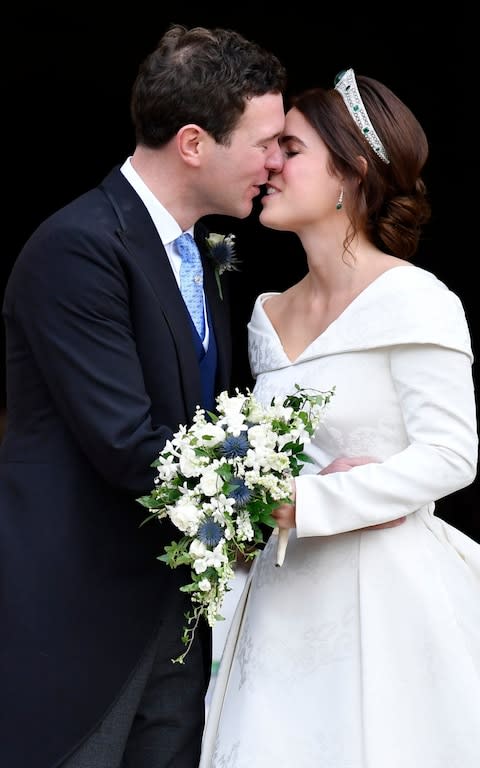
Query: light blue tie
{"points": [[191, 280]]}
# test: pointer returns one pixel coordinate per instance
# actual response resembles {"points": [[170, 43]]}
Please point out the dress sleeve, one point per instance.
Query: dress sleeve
{"points": [[436, 395]]}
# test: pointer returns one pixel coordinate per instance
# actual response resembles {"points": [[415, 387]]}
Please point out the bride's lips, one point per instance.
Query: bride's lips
{"points": [[269, 190]]}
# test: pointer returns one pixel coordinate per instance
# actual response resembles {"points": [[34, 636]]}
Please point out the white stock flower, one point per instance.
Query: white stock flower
{"points": [[199, 416], [244, 527], [252, 477], [278, 462], [278, 488]]}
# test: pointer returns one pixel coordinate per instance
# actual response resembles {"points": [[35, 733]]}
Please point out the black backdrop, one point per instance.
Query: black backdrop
{"points": [[66, 111]]}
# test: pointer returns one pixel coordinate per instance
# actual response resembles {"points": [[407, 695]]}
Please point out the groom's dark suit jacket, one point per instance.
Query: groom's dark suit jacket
{"points": [[101, 368]]}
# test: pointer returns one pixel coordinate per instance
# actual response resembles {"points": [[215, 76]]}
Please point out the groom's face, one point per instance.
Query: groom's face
{"points": [[237, 171]]}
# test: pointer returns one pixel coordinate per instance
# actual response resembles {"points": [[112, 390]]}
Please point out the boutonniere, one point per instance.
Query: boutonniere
{"points": [[221, 249]]}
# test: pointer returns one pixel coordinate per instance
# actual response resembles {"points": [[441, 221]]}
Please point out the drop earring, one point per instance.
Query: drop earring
{"points": [[339, 204]]}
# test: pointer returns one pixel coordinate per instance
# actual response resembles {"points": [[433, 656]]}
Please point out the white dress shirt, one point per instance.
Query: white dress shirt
{"points": [[165, 224]]}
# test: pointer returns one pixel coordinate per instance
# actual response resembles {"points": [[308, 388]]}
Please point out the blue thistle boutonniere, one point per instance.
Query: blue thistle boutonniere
{"points": [[221, 249]]}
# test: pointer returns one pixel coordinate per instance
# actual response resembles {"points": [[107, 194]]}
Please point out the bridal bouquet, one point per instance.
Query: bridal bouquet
{"points": [[218, 482]]}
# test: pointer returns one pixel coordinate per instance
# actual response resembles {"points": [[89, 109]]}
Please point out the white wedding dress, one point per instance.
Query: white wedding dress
{"points": [[363, 649]]}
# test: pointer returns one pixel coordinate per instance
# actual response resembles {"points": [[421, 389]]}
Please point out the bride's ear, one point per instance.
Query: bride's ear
{"points": [[363, 163]]}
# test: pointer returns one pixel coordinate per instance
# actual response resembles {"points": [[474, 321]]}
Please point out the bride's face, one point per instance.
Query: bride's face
{"points": [[304, 192]]}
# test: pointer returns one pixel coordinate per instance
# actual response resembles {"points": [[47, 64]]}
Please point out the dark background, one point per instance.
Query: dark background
{"points": [[66, 113]]}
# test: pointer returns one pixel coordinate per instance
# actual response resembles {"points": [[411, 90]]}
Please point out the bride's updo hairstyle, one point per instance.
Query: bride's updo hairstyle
{"points": [[379, 148]]}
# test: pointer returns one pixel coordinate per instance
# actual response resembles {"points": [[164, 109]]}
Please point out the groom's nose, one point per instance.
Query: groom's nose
{"points": [[275, 159]]}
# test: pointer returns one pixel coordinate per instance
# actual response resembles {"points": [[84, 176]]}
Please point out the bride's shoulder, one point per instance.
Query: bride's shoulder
{"points": [[275, 302], [269, 298]]}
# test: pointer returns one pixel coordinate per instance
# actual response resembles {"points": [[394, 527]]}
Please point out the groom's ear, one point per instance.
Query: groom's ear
{"points": [[189, 140]]}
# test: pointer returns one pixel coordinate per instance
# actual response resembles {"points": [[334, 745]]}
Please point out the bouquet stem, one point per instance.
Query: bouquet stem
{"points": [[283, 534]]}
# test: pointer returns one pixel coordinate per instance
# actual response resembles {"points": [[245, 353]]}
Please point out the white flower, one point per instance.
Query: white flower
{"points": [[271, 460], [168, 468], [186, 517], [232, 409], [261, 436], [197, 549], [204, 585], [279, 411], [256, 413], [245, 530], [217, 557], [209, 435], [210, 482], [190, 464]]}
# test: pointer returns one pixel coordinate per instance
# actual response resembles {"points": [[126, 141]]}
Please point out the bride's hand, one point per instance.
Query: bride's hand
{"points": [[284, 516], [343, 464]]}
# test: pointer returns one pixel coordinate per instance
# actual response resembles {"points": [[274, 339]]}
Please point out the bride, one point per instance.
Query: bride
{"points": [[363, 649]]}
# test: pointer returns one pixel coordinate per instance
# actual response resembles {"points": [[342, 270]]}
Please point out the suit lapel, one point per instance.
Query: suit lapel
{"points": [[139, 236]]}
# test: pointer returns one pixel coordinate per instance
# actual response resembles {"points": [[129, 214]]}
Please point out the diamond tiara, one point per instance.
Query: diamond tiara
{"points": [[347, 87]]}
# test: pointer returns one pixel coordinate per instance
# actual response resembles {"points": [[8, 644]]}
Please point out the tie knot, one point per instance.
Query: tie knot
{"points": [[187, 248]]}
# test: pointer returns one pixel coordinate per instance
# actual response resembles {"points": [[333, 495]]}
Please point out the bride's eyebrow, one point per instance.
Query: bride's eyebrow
{"points": [[290, 137]]}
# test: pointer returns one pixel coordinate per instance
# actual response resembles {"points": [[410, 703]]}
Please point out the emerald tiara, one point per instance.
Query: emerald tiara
{"points": [[347, 87]]}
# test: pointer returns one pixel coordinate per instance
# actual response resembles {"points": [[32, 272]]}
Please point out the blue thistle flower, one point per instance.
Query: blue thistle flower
{"points": [[234, 445], [222, 255], [221, 249], [239, 491], [210, 532]]}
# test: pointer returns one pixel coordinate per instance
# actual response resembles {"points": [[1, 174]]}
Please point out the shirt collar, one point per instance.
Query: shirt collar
{"points": [[165, 224]]}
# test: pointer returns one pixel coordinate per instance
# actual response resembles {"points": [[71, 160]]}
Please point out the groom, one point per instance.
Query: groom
{"points": [[103, 364]]}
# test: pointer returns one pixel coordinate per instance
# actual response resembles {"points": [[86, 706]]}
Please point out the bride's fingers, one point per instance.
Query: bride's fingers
{"points": [[284, 515], [344, 463]]}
